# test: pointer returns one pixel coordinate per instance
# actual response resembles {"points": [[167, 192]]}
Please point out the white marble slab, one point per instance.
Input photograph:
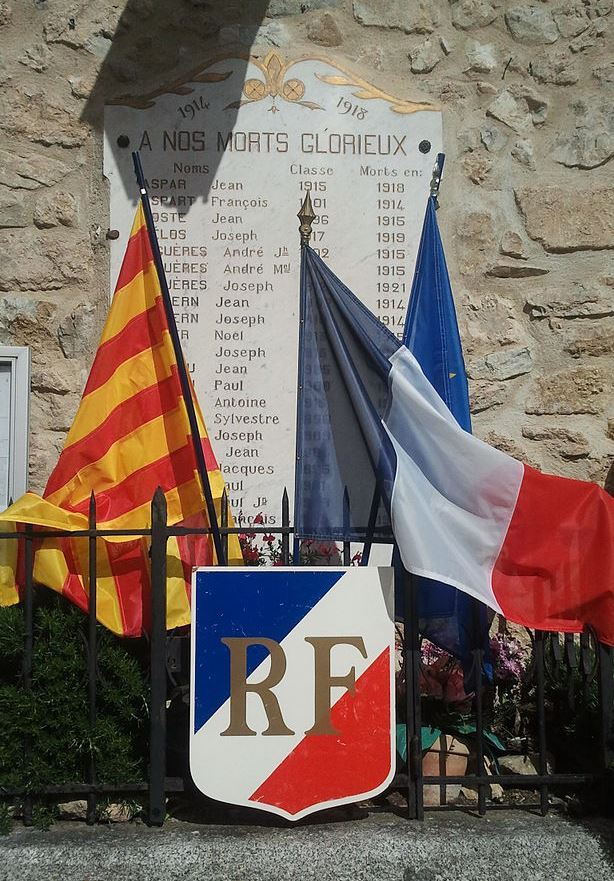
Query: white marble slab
{"points": [[229, 155]]}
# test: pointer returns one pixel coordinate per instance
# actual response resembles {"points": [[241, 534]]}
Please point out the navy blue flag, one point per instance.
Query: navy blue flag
{"points": [[345, 465], [447, 616]]}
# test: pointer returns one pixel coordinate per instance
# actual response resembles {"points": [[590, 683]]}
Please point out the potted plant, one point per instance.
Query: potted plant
{"points": [[448, 723]]}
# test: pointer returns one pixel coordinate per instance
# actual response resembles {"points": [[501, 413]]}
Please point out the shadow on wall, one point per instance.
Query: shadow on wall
{"points": [[157, 42]]}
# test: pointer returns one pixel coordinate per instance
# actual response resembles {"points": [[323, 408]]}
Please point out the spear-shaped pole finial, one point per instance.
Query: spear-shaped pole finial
{"points": [[436, 179], [306, 216]]}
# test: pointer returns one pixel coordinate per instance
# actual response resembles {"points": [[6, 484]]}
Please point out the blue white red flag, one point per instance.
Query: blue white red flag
{"points": [[292, 706], [537, 548]]}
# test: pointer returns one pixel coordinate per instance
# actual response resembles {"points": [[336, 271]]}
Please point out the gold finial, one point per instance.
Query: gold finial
{"points": [[436, 178], [306, 216]]}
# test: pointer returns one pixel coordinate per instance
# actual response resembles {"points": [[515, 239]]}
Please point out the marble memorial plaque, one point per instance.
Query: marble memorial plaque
{"points": [[229, 153]]}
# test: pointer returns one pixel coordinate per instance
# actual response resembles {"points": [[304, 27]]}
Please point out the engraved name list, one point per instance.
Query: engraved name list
{"points": [[228, 163]]}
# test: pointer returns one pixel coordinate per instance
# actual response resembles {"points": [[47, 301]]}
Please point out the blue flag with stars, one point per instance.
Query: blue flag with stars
{"points": [[448, 617]]}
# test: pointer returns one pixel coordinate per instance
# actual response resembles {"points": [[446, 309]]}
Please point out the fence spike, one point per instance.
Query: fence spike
{"points": [[92, 651], [285, 523], [570, 651], [224, 523], [347, 551], [158, 506]]}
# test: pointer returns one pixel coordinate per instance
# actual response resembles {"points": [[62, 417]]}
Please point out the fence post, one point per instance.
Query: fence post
{"points": [[540, 696], [285, 522], [413, 717], [157, 645], [477, 669], [92, 650], [224, 525], [346, 528], [606, 704], [28, 649]]}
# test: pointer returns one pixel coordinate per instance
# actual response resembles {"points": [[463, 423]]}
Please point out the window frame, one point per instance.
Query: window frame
{"points": [[18, 359]]}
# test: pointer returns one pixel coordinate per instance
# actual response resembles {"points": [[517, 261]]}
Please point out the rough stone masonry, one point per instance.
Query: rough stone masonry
{"points": [[527, 211]]}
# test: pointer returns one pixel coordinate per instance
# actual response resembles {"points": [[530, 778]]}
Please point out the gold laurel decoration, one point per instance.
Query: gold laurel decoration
{"points": [[367, 92], [274, 85], [293, 90], [254, 89], [179, 87]]}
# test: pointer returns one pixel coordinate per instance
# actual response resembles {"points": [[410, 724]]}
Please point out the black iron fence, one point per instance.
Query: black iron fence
{"points": [[580, 667]]}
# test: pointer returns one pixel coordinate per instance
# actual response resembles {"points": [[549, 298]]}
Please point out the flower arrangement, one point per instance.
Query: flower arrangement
{"points": [[446, 704], [260, 551], [442, 679], [442, 675], [510, 664], [509, 661], [266, 549]]}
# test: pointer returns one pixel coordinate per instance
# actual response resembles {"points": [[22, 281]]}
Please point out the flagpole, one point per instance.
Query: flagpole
{"points": [[306, 215], [183, 375], [436, 178]]}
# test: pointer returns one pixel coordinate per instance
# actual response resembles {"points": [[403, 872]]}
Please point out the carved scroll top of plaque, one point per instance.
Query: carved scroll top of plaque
{"points": [[275, 84]]}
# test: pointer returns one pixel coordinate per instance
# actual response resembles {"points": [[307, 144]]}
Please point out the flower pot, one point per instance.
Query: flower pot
{"points": [[447, 757]]}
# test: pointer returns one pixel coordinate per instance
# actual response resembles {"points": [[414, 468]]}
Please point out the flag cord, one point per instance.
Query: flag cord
{"points": [[181, 367]]}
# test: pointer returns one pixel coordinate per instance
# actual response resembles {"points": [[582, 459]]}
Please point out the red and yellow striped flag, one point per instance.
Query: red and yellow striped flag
{"points": [[131, 434]]}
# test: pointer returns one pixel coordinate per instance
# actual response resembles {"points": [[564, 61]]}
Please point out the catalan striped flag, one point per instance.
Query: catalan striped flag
{"points": [[131, 434]]}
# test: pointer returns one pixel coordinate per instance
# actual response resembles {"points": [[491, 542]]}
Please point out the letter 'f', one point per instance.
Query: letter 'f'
{"points": [[324, 682]]}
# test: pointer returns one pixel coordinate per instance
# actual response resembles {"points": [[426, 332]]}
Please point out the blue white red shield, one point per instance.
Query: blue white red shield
{"points": [[292, 706]]}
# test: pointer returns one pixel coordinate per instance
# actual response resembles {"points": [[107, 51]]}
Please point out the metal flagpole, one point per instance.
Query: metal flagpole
{"points": [[183, 375], [306, 216], [436, 178]]}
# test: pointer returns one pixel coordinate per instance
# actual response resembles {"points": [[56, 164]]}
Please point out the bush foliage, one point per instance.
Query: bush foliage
{"points": [[45, 735]]}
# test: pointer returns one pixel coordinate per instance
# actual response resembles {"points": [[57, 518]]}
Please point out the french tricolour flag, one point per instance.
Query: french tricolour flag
{"points": [[322, 640], [380, 455]]}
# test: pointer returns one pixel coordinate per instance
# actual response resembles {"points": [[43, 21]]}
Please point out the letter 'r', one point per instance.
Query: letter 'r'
{"points": [[239, 687]]}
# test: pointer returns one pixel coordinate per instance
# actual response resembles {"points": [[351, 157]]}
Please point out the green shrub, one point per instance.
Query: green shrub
{"points": [[45, 735]]}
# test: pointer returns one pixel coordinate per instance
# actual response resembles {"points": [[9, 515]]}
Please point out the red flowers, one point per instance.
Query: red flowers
{"points": [[265, 551]]}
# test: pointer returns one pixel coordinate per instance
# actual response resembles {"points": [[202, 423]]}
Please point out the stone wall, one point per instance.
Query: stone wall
{"points": [[527, 201]]}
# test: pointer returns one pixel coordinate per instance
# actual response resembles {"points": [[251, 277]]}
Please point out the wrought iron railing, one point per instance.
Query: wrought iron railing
{"points": [[568, 657]]}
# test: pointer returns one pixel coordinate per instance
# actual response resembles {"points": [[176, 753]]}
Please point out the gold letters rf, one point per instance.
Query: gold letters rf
{"points": [[324, 682]]}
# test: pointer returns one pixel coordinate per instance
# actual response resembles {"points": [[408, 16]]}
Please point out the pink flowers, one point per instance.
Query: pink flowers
{"points": [[509, 660], [264, 551], [441, 676]]}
